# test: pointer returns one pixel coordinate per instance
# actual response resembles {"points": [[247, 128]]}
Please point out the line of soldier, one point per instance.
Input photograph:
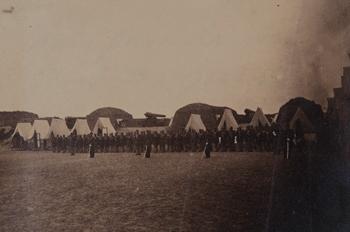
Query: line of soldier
{"points": [[249, 140]]}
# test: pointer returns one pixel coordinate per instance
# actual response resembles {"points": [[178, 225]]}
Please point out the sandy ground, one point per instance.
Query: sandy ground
{"points": [[123, 192]]}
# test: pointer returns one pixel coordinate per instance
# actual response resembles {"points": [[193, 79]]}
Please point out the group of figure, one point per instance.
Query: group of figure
{"points": [[251, 139], [248, 140]]}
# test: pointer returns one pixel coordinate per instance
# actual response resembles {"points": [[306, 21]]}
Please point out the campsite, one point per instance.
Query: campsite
{"points": [[175, 116], [119, 189]]}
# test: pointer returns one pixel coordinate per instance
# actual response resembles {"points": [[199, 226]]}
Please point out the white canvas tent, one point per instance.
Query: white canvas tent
{"points": [[59, 127], [42, 128], [25, 130], [81, 127], [259, 119], [195, 123], [227, 121], [304, 120], [105, 125]]}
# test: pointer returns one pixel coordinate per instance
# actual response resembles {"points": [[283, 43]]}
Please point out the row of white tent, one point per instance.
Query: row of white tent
{"points": [[103, 125], [59, 127], [228, 121]]}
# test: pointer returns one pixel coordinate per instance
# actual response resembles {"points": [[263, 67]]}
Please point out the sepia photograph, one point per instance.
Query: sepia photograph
{"points": [[175, 115]]}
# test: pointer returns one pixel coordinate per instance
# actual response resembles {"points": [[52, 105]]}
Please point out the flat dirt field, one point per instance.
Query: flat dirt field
{"points": [[44, 191]]}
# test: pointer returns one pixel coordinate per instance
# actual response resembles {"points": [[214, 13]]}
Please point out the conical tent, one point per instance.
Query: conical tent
{"points": [[25, 130], [303, 119], [59, 127], [227, 121], [42, 128], [195, 123], [259, 119], [105, 125], [81, 127]]}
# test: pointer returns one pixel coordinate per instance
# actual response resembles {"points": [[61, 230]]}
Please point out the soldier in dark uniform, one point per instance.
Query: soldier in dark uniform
{"points": [[72, 145], [207, 146], [35, 139], [58, 143], [171, 142], [166, 142], [114, 142], [258, 140], [130, 142], [111, 143], [162, 141], [148, 145], [99, 143], [86, 140], [143, 141], [64, 144], [233, 140], [178, 142], [53, 142], [227, 141], [117, 142], [79, 144], [155, 142], [92, 146], [122, 142], [137, 143], [105, 143]]}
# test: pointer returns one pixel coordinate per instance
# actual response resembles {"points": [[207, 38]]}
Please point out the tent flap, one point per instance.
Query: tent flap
{"points": [[59, 127], [81, 127], [25, 130], [42, 128], [227, 120], [259, 119], [105, 125], [195, 123]]}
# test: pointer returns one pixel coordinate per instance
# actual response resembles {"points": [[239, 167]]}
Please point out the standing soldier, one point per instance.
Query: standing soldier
{"points": [[162, 141], [142, 141], [64, 144], [138, 143], [85, 143], [58, 143], [156, 141], [79, 144], [208, 146], [35, 136], [116, 142], [53, 142], [170, 142], [148, 145], [92, 146], [72, 145], [122, 142]]}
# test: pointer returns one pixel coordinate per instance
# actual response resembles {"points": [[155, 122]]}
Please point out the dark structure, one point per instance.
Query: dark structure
{"points": [[312, 110], [338, 115], [113, 114], [11, 118]]}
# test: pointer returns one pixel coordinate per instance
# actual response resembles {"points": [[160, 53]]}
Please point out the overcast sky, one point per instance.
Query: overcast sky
{"points": [[69, 57]]}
